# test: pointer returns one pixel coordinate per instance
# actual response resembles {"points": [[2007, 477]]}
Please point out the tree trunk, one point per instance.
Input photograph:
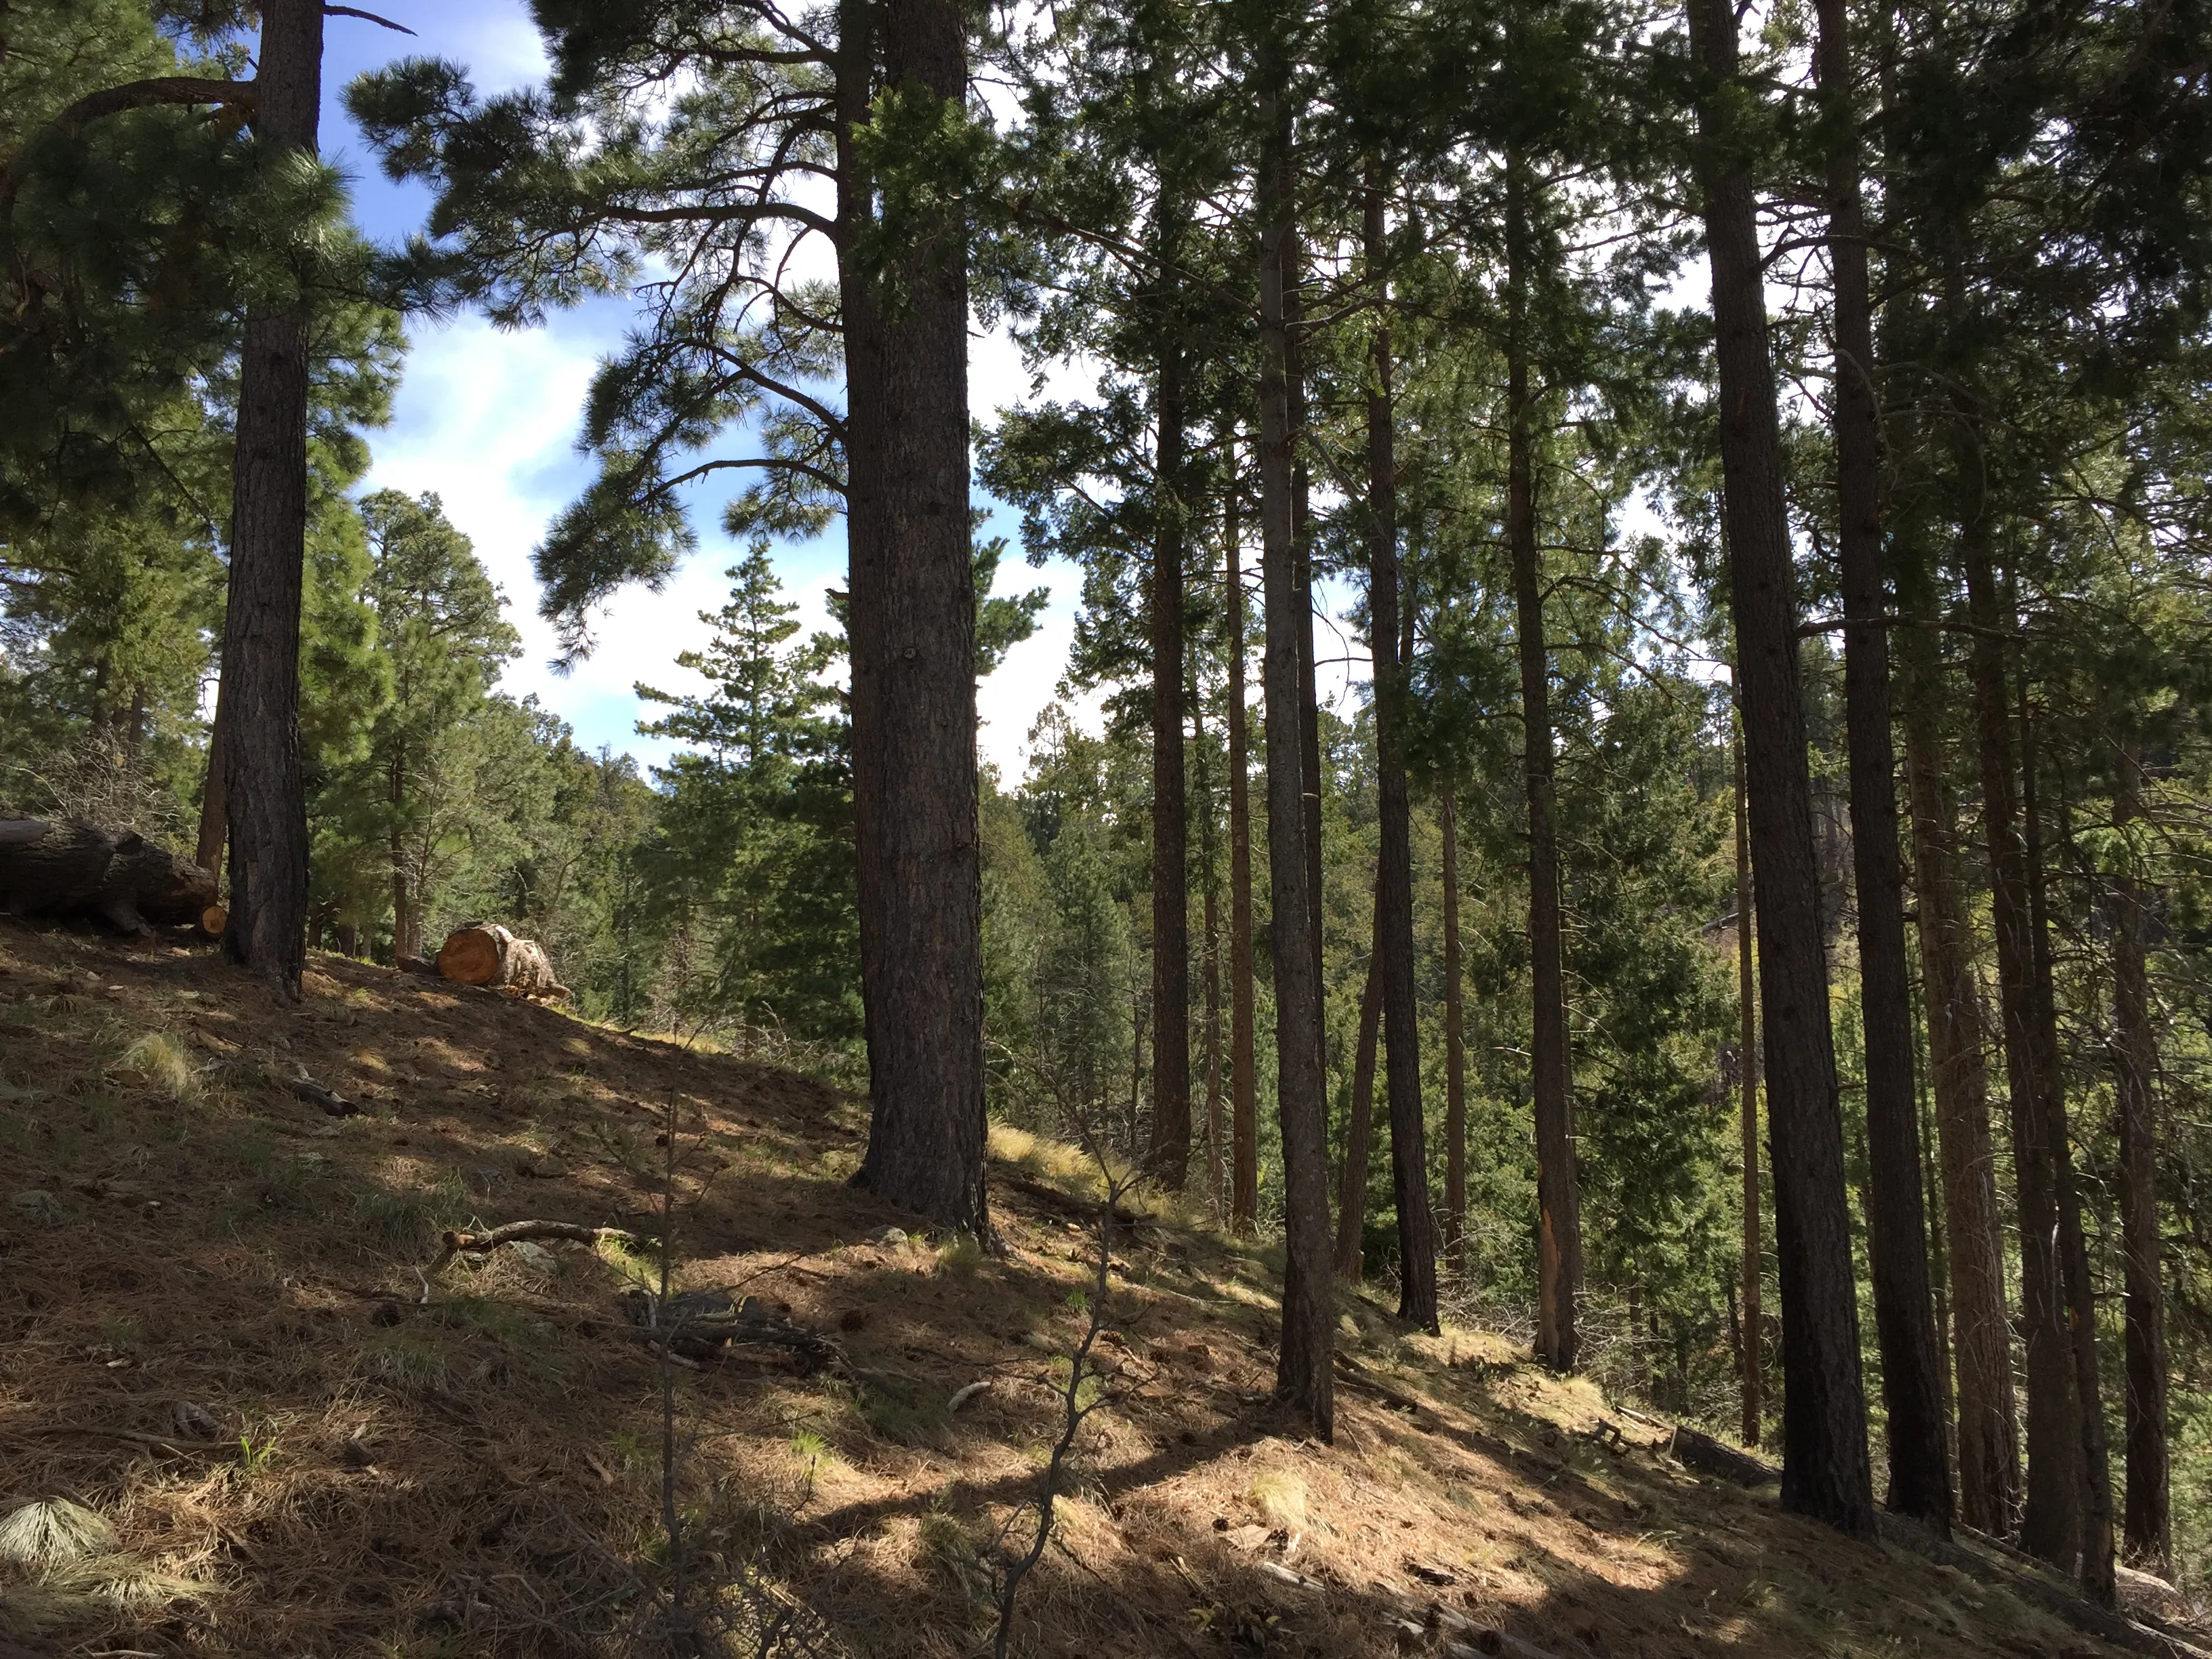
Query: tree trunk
{"points": [[1359, 1131], [1455, 1038], [913, 632], [1210, 950], [406, 928], [1558, 1220], [1897, 1226], [1394, 880], [258, 701], [2074, 1284], [1825, 1472], [2050, 1520], [1303, 1376], [1989, 1439], [214, 816], [1171, 1149], [1243, 1065], [1755, 1373], [2149, 1527]]}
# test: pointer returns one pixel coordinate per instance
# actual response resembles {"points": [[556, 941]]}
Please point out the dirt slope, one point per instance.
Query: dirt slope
{"points": [[216, 1334]]}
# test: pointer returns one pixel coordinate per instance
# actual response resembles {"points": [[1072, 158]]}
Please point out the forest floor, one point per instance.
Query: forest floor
{"points": [[223, 1332]]}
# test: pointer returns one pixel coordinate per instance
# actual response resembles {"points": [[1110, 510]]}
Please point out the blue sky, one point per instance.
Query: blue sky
{"points": [[488, 422]]}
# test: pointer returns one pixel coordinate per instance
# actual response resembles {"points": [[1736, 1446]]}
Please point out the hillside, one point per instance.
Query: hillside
{"points": [[226, 1338]]}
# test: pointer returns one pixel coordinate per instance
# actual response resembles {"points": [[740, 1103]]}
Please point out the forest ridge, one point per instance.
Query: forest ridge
{"points": [[1757, 901]]}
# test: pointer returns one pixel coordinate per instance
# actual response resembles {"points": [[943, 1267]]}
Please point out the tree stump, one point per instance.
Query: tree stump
{"points": [[68, 867], [487, 954]]}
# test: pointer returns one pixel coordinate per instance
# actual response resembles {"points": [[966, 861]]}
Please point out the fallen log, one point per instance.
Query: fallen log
{"points": [[66, 867], [487, 954], [2034, 1587], [532, 1232], [315, 1095], [1701, 1452]]}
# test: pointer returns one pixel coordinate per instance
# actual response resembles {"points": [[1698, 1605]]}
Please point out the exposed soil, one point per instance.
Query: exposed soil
{"points": [[381, 1461]]}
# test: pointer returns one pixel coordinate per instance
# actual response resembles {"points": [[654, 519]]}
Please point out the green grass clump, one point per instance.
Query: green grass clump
{"points": [[158, 1061]]}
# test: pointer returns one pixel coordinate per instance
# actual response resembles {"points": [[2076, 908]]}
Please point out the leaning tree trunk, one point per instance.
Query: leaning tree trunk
{"points": [[913, 632], [1243, 1064], [1455, 1038], [2149, 1528], [1303, 1376], [1754, 1371], [2050, 1520], [2098, 1580], [1359, 1134], [1825, 1471], [1988, 1431], [1394, 883], [1558, 1218], [1170, 1141], [214, 821], [258, 703], [1897, 1225]]}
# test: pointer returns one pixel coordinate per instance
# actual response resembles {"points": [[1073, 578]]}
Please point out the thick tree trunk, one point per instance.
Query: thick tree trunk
{"points": [[1304, 1379], [1394, 882], [2050, 1520], [1170, 1148], [1359, 1133], [913, 632], [2074, 1284], [1825, 1471], [1897, 1226], [1559, 1218], [2149, 1528], [1754, 1367], [1244, 1063], [259, 701], [1988, 1431], [1455, 1038]]}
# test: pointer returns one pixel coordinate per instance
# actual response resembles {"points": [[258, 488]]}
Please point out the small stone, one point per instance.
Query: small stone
{"points": [[538, 1258], [37, 1206], [193, 1422], [889, 1237]]}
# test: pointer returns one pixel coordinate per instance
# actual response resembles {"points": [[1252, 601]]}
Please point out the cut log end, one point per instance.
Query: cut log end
{"points": [[470, 956], [214, 920]]}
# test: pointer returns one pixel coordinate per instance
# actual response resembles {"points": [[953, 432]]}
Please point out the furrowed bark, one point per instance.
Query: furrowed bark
{"points": [[2051, 1519], [2148, 1525], [1987, 1430], [264, 796], [1210, 949], [1170, 1145], [2098, 1579], [1754, 1372], [1558, 1222], [1897, 1228], [1305, 1372], [1394, 883], [1825, 1467], [1360, 1135], [1243, 1086], [912, 627], [1455, 1039]]}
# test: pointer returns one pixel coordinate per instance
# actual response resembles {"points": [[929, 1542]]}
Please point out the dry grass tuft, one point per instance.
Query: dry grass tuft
{"points": [[52, 1532], [157, 1061]]}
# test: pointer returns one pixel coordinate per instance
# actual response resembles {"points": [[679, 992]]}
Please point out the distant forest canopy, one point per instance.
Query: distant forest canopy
{"points": [[1772, 473]]}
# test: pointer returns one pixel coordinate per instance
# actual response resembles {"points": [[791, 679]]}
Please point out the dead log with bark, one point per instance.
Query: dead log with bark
{"points": [[1707, 1455], [69, 868], [487, 954]]}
